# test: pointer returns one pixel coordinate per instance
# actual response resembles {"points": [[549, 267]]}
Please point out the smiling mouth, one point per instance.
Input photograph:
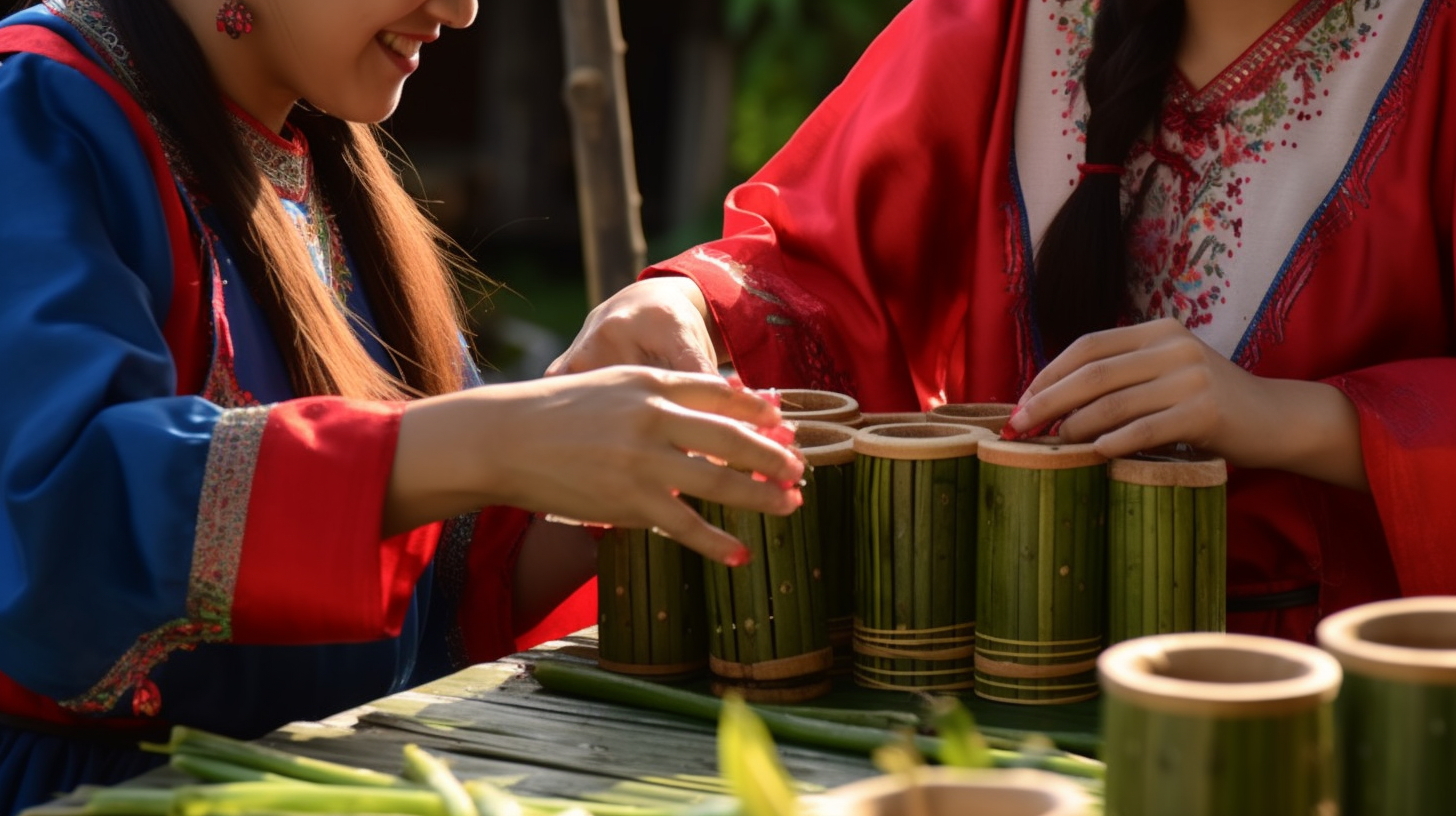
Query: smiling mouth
{"points": [[404, 46]]}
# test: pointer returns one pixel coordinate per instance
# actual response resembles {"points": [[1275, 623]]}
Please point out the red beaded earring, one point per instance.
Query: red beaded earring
{"points": [[234, 19]]}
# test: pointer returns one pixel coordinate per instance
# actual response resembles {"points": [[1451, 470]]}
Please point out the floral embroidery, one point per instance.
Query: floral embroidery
{"points": [[1184, 192], [221, 521]]}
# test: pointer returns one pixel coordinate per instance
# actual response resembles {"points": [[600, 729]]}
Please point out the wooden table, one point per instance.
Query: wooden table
{"points": [[495, 721]]}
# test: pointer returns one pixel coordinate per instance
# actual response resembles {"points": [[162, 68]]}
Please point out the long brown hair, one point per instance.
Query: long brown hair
{"points": [[1081, 282], [404, 261]]}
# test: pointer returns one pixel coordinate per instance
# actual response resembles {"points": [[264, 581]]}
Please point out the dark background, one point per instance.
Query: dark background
{"points": [[715, 87]]}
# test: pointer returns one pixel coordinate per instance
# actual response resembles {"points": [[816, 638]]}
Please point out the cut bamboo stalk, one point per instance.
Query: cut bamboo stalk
{"points": [[652, 620], [940, 790], [804, 404], [771, 614], [1166, 544], [1208, 724], [1041, 541], [992, 416], [1396, 714], [911, 630], [828, 517]]}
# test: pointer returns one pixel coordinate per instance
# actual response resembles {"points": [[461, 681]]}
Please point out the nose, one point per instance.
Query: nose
{"points": [[453, 13]]}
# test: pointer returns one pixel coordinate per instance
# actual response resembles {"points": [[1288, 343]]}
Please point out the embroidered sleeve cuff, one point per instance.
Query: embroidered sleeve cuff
{"points": [[292, 503]]}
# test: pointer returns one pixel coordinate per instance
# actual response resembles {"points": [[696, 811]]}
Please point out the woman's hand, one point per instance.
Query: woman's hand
{"points": [[1140, 387], [612, 446], [659, 322]]}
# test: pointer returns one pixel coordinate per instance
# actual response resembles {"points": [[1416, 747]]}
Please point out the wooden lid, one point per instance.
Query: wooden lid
{"points": [[940, 790], [825, 443], [1170, 468], [1410, 640], [1046, 453], [892, 418], [989, 415], [821, 406], [921, 441], [1211, 674]]}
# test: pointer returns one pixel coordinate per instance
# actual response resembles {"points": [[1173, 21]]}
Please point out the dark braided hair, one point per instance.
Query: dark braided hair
{"points": [[1080, 284]]}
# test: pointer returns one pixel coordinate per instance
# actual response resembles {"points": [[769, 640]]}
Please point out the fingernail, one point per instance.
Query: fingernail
{"points": [[738, 557], [1018, 420]]}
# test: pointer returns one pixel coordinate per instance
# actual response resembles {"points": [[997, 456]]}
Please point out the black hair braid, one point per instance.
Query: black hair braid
{"points": [[1080, 283]]}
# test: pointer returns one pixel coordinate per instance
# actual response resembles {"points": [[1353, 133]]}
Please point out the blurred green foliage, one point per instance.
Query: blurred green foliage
{"points": [[791, 55]]}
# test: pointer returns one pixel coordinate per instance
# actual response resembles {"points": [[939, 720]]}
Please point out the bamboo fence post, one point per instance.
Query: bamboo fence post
{"points": [[829, 499], [915, 563], [1166, 545], [651, 617], [1208, 724], [1396, 714], [1041, 596], [608, 199], [804, 404], [989, 415]]}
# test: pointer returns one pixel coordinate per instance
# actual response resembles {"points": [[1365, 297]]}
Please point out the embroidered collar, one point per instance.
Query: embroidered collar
{"points": [[283, 161], [1261, 61]]}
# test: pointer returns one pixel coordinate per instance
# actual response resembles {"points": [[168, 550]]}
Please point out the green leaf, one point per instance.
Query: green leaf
{"points": [[961, 745], [749, 761]]}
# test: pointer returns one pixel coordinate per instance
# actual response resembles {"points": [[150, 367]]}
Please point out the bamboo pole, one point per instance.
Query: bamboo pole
{"points": [[911, 630], [1041, 612], [650, 599], [1166, 545], [608, 200], [1396, 714], [1208, 724]]}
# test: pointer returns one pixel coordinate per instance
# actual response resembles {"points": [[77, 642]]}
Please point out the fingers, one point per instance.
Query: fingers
{"points": [[675, 520]]}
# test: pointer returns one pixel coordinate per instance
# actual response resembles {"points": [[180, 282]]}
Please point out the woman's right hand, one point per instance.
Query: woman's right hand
{"points": [[614, 446], [660, 322]]}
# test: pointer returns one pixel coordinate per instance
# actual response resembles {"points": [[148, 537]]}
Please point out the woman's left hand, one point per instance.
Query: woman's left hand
{"points": [[1141, 387]]}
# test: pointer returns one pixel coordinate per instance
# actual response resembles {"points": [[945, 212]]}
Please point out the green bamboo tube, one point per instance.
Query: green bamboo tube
{"points": [[992, 416], [769, 619], [805, 404], [915, 621], [1396, 714], [1166, 547], [1041, 542], [651, 619], [1209, 724], [933, 791], [829, 485]]}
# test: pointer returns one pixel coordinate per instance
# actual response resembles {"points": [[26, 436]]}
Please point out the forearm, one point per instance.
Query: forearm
{"points": [[1315, 432]]}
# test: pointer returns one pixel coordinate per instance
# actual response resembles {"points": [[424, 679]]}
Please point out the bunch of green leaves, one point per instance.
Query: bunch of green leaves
{"points": [[791, 54]]}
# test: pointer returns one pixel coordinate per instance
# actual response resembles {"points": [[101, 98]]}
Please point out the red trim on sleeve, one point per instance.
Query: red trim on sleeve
{"points": [[487, 607], [19, 701], [313, 567], [185, 329]]}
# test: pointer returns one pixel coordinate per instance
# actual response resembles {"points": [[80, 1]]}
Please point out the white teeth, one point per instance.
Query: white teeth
{"points": [[403, 46]]}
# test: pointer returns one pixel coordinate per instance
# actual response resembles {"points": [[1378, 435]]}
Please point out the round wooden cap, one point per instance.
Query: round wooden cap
{"points": [[921, 440], [892, 418], [1410, 640], [1174, 470], [821, 406], [940, 789], [989, 415], [1047, 453], [825, 443], [1211, 674]]}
